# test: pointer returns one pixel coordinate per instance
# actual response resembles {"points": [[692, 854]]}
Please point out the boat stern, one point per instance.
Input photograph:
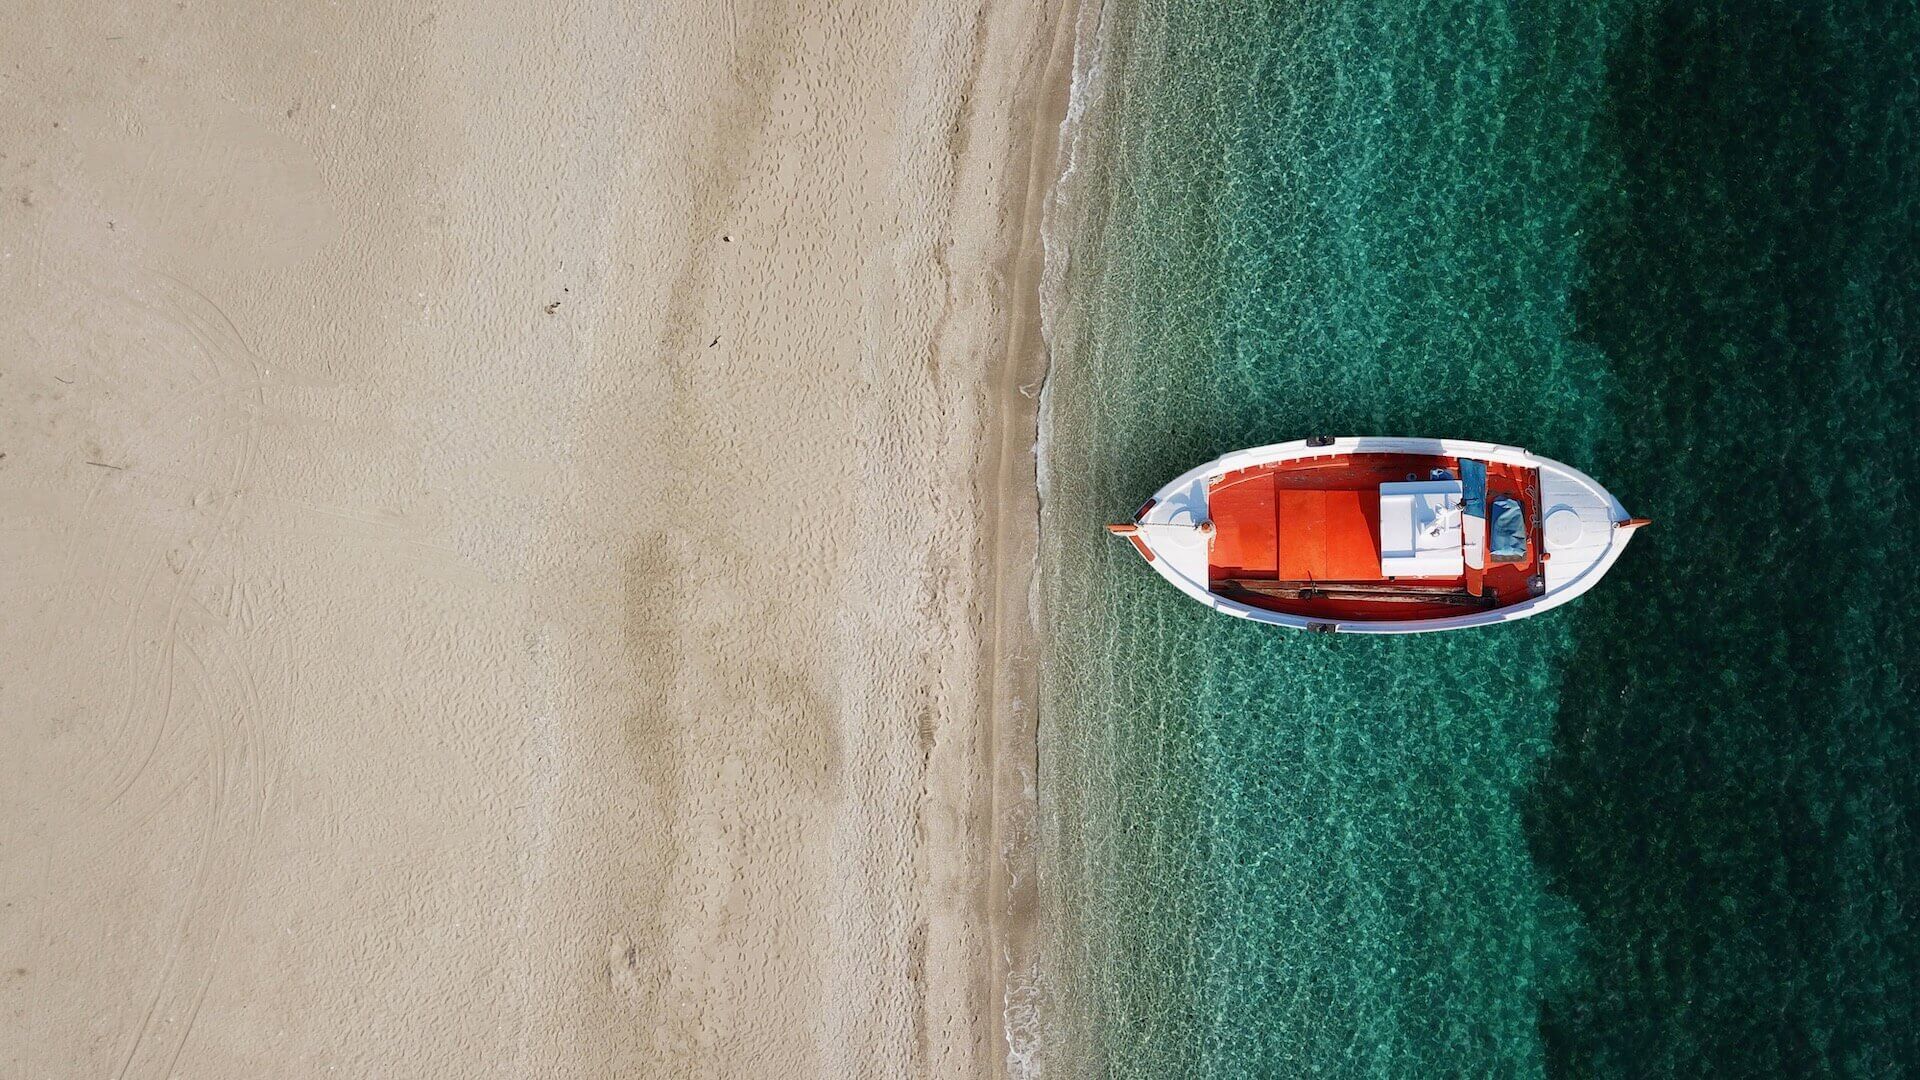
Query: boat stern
{"points": [[1131, 530], [1172, 531]]}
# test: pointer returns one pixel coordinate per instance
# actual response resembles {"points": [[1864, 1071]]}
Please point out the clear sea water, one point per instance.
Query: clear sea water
{"points": [[1667, 831]]}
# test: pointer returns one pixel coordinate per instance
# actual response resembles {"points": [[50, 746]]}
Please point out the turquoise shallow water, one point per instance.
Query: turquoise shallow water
{"points": [[1668, 830]]}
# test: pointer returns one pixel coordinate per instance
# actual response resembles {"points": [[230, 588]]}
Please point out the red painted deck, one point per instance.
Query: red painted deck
{"points": [[1318, 522]]}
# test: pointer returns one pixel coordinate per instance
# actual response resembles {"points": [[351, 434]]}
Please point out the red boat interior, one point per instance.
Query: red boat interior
{"points": [[1303, 537]]}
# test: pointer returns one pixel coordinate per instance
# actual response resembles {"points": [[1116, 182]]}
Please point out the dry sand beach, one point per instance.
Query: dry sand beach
{"points": [[516, 539]]}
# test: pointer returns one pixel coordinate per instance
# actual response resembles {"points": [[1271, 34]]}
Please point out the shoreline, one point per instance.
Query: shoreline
{"points": [[1010, 564]]}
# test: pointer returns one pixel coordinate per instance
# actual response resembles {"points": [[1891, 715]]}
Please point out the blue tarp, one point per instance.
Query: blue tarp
{"points": [[1509, 529], [1473, 487]]}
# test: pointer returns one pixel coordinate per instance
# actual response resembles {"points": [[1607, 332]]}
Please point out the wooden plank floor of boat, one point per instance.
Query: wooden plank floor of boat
{"points": [[1304, 537]]}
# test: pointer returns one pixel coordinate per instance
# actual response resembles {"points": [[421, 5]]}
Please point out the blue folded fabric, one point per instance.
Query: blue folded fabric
{"points": [[1509, 530], [1473, 487]]}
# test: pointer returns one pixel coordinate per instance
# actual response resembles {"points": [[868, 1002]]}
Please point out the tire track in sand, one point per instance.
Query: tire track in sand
{"points": [[194, 715]]}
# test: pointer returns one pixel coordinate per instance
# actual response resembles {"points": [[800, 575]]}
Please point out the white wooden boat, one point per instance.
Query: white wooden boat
{"points": [[1381, 535]]}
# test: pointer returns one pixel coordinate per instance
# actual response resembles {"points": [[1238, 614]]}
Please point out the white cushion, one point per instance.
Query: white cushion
{"points": [[1408, 545]]}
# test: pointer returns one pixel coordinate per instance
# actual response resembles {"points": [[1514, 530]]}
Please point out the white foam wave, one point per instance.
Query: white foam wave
{"points": [[1059, 212], [1026, 1012]]}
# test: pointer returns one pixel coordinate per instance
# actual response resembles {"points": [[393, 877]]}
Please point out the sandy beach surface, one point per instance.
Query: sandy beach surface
{"points": [[516, 535]]}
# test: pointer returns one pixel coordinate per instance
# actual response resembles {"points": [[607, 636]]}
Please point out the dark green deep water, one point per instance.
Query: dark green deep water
{"points": [[1666, 831]]}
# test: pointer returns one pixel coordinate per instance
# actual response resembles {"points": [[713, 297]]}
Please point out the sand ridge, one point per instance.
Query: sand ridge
{"points": [[510, 511]]}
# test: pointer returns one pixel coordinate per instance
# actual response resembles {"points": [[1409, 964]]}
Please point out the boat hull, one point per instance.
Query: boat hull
{"points": [[1302, 527]]}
